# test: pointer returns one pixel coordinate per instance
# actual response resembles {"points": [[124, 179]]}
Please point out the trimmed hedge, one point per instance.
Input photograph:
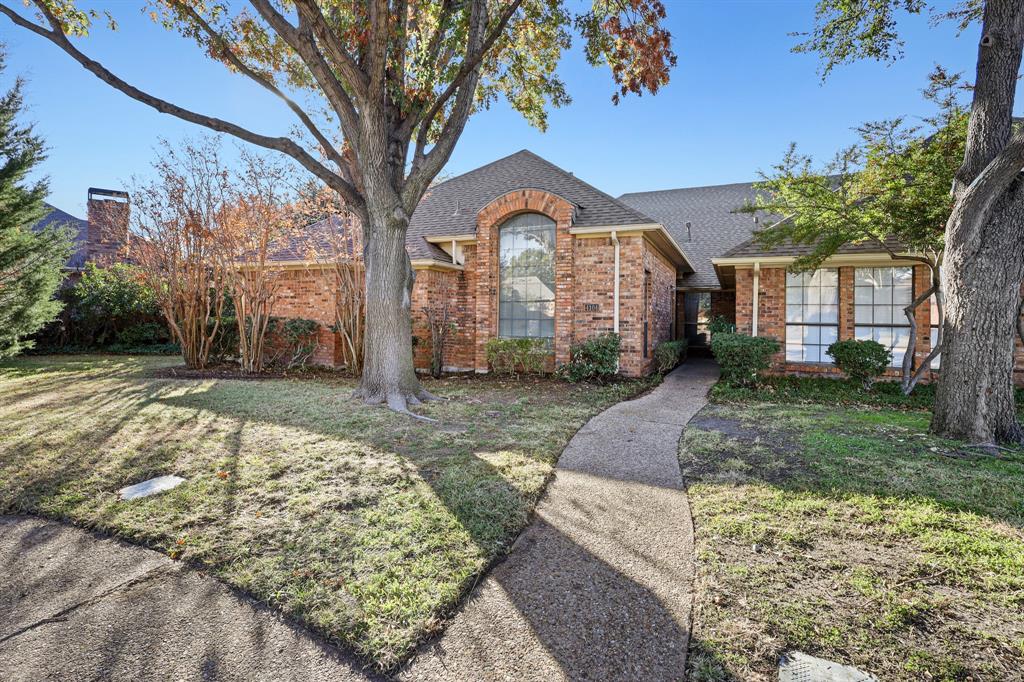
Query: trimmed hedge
{"points": [[742, 358], [517, 356], [863, 361], [594, 359], [668, 354]]}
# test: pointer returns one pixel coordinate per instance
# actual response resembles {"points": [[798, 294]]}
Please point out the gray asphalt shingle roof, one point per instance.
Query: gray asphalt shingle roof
{"points": [[79, 231], [715, 226], [753, 249], [451, 207]]}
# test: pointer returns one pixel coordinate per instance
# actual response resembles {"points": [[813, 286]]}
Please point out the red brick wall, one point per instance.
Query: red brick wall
{"points": [[310, 294], [431, 289], [662, 296], [584, 298], [723, 304], [594, 307], [107, 233]]}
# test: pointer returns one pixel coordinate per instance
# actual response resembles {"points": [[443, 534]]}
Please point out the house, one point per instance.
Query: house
{"points": [[520, 247], [102, 239]]}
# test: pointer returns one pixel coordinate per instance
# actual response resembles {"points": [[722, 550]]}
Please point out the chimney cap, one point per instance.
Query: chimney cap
{"points": [[117, 194]]}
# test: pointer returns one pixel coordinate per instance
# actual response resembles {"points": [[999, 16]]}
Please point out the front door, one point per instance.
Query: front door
{"points": [[697, 314]]}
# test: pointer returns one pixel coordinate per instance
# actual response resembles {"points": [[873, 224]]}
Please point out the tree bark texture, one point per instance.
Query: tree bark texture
{"points": [[984, 256], [388, 372]]}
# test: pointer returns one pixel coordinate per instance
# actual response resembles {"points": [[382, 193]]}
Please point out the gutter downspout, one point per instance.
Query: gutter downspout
{"points": [[615, 293], [615, 285], [757, 288]]}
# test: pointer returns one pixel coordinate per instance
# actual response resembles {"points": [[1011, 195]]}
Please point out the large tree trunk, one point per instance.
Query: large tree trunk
{"points": [[388, 372], [975, 398], [984, 257]]}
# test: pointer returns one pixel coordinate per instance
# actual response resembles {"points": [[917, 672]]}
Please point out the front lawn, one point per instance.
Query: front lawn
{"points": [[365, 525], [849, 533]]}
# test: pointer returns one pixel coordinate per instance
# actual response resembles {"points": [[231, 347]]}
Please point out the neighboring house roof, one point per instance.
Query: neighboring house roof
{"points": [[715, 224], [79, 231], [451, 207], [752, 250]]}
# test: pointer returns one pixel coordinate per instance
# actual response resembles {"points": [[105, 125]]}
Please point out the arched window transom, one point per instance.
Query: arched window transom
{"points": [[526, 299]]}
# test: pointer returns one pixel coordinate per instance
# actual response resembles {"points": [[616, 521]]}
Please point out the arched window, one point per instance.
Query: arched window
{"points": [[526, 298]]}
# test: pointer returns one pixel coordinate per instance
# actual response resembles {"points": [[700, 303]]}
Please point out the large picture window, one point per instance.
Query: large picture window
{"points": [[526, 262], [880, 295], [812, 314]]}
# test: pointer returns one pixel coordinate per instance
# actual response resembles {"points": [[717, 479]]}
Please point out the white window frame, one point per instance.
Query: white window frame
{"points": [[812, 315], [878, 302]]}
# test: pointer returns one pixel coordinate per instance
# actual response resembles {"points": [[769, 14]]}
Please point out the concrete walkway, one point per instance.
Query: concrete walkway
{"points": [[74, 606], [598, 588]]}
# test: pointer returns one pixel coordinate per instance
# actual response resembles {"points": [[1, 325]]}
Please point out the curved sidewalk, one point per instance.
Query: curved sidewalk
{"points": [[598, 587], [75, 606]]}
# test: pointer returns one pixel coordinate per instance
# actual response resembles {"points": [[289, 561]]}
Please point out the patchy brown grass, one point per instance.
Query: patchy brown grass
{"points": [[853, 535], [363, 524]]}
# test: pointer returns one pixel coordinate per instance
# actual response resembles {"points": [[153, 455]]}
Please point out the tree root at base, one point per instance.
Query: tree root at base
{"points": [[400, 402]]}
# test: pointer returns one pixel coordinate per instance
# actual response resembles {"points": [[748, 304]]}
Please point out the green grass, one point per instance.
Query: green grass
{"points": [[825, 391], [366, 525], [852, 534]]}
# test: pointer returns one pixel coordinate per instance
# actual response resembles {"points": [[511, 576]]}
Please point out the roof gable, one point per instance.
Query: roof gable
{"points": [[451, 207]]}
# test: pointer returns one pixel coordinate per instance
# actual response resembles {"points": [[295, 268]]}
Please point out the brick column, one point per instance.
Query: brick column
{"points": [[846, 313]]}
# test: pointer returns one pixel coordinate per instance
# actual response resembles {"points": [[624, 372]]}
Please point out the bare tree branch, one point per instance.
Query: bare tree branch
{"points": [[281, 144], [227, 53], [304, 45]]}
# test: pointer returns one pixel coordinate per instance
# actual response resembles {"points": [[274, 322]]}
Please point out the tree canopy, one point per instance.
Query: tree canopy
{"points": [[890, 187], [359, 73]]}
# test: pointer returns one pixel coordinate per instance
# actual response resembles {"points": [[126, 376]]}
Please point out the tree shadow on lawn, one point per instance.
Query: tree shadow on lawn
{"points": [[844, 452], [365, 525]]}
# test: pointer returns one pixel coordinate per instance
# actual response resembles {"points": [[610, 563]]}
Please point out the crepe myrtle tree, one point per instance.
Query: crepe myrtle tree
{"points": [[392, 84], [983, 262], [889, 188]]}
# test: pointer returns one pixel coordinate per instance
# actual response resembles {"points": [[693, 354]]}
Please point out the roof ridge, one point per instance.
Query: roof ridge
{"points": [[682, 189], [486, 165]]}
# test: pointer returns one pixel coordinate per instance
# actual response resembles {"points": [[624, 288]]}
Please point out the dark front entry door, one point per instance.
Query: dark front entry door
{"points": [[697, 314]]}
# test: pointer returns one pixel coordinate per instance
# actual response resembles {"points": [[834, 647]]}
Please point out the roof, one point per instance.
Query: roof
{"points": [[451, 207], [751, 249], [315, 241], [715, 224], [79, 232]]}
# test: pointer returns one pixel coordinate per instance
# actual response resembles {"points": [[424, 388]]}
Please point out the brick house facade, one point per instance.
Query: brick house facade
{"points": [[771, 305], [455, 246], [682, 257], [652, 266]]}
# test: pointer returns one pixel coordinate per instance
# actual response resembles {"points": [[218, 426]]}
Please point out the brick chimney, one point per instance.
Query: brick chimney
{"points": [[108, 226]]}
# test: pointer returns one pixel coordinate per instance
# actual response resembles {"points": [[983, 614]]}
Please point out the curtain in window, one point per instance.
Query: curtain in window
{"points": [[880, 295], [526, 299], [812, 314]]}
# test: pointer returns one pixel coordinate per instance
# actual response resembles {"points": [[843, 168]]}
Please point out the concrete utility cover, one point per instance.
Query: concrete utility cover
{"points": [[799, 667], [150, 487]]}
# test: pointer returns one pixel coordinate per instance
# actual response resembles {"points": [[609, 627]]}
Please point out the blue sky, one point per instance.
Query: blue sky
{"points": [[737, 98]]}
